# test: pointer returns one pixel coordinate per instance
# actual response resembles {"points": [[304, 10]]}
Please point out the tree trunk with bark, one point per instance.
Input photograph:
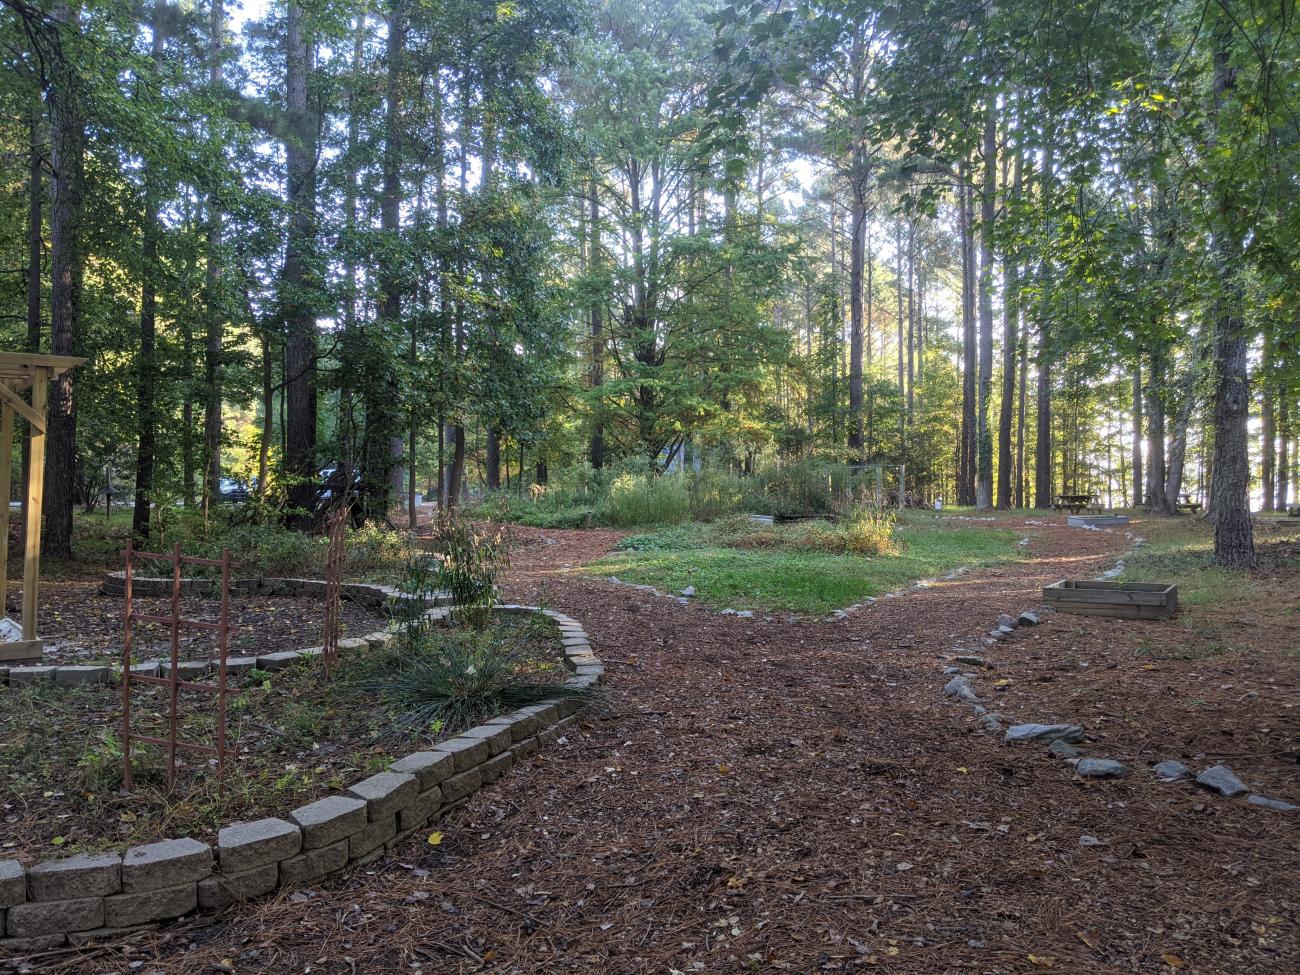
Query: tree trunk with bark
{"points": [[1234, 541], [988, 209], [299, 276], [67, 265]]}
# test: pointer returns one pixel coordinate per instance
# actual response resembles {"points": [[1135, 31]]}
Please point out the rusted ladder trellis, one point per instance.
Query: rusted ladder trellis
{"points": [[333, 588], [175, 622]]}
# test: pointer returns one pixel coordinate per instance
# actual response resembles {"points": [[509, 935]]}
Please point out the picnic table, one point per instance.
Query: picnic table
{"points": [[1188, 505], [1076, 503]]}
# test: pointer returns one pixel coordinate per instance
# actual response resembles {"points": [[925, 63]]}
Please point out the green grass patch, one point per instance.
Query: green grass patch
{"points": [[784, 572], [1213, 601]]}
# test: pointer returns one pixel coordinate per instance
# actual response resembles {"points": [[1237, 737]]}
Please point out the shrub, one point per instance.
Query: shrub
{"points": [[469, 561], [806, 487], [647, 500], [715, 493], [862, 530]]}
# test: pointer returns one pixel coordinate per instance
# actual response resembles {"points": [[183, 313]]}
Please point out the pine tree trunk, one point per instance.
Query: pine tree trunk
{"points": [[596, 373], [146, 368], [1136, 465], [966, 477], [214, 312], [1156, 500], [1043, 475], [1234, 543], [988, 209], [1173, 487], [1010, 346], [1268, 426], [299, 276], [67, 264]]}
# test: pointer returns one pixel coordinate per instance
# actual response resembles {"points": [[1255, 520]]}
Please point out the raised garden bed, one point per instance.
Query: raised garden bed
{"points": [[1123, 600], [1096, 521], [310, 740]]}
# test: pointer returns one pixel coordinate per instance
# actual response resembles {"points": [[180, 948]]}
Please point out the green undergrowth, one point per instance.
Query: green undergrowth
{"points": [[803, 567]]}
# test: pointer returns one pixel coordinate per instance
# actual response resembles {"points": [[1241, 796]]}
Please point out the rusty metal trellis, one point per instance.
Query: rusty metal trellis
{"points": [[175, 622], [333, 588]]}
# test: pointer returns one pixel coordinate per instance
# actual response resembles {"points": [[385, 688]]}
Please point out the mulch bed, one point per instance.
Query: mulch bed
{"points": [[799, 797], [296, 736], [81, 625]]}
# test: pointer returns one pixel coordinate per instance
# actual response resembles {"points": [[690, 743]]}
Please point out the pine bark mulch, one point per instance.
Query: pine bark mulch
{"points": [[765, 796]]}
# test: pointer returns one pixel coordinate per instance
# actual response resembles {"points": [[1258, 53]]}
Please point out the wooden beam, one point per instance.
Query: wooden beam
{"points": [[35, 498], [6, 487], [12, 399]]}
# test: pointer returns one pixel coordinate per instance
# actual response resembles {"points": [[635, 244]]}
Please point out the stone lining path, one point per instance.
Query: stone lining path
{"points": [[773, 797]]}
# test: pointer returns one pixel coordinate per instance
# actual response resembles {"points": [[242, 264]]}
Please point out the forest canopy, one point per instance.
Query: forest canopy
{"points": [[1000, 251]]}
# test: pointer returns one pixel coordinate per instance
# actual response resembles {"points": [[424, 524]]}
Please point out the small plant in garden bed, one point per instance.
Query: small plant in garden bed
{"points": [[296, 735]]}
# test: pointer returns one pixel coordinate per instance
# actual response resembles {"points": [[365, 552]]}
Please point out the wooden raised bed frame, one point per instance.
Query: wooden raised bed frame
{"points": [[1123, 600]]}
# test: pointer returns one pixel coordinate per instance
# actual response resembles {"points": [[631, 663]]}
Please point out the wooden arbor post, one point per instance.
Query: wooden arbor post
{"points": [[18, 372]]}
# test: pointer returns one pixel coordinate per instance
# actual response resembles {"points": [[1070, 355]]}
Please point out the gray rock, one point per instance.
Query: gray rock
{"points": [[1101, 768], [165, 864], [990, 722], [746, 614], [1006, 630], [1063, 749], [242, 847], [1045, 733], [688, 592], [1222, 780], [1171, 771], [1006, 621], [328, 820], [1278, 804], [1029, 618], [970, 660], [959, 688], [75, 877], [949, 671]]}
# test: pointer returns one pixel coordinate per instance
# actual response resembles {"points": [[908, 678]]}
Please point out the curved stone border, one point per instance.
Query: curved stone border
{"points": [[368, 594], [94, 896]]}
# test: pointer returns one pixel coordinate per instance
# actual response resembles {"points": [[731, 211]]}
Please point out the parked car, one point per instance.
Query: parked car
{"points": [[231, 490]]}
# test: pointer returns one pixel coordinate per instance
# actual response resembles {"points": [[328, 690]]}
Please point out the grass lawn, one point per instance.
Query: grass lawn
{"points": [[782, 575], [1223, 610]]}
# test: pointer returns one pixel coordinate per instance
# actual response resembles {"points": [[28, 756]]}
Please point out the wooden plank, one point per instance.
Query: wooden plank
{"points": [[14, 401], [6, 478], [35, 497], [1116, 612]]}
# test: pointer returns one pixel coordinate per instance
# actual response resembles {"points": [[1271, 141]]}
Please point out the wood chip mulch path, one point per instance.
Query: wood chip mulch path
{"points": [[770, 797]]}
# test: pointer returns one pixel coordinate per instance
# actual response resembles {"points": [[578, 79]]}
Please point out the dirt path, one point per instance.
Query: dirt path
{"points": [[778, 797]]}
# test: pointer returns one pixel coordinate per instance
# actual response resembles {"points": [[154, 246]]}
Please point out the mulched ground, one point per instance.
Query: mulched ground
{"points": [[800, 797], [81, 625]]}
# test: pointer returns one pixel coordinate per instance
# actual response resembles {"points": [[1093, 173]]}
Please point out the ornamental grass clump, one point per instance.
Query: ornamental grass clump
{"points": [[441, 682]]}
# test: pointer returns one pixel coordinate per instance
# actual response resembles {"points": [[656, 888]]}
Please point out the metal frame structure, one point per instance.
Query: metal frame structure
{"points": [[175, 622], [21, 371]]}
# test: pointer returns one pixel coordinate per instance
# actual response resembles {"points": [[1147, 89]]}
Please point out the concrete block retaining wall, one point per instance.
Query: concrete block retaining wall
{"points": [[83, 898]]}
